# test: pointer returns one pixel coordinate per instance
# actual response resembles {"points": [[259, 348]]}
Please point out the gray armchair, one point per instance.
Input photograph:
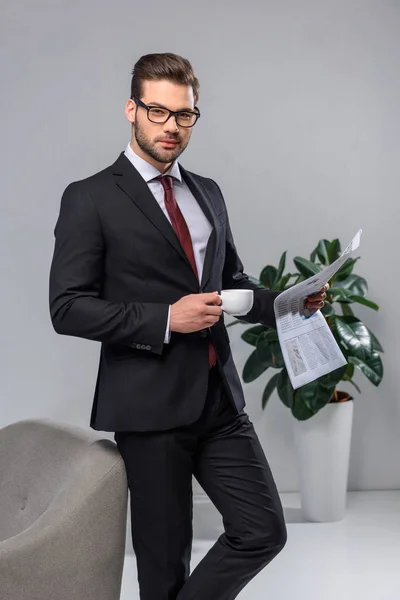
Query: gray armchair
{"points": [[63, 513]]}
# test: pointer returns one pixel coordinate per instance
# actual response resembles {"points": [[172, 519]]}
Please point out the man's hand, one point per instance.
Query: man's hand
{"points": [[316, 301], [195, 312]]}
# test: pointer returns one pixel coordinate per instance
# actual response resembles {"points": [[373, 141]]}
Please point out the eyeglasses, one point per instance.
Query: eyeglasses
{"points": [[159, 114]]}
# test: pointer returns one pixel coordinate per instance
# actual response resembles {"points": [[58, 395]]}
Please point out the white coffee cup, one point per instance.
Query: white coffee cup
{"points": [[236, 302]]}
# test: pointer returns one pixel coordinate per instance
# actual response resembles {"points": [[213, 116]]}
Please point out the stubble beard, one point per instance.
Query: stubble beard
{"points": [[149, 146]]}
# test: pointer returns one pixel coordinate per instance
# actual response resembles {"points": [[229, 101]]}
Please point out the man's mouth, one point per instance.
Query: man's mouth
{"points": [[169, 142]]}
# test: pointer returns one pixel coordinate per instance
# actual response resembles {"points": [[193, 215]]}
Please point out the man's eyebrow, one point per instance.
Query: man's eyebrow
{"points": [[162, 106]]}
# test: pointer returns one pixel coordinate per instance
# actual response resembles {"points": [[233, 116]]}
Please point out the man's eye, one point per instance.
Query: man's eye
{"points": [[184, 115]]}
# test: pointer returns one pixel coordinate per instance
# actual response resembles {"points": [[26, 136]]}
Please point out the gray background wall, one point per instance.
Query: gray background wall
{"points": [[300, 127]]}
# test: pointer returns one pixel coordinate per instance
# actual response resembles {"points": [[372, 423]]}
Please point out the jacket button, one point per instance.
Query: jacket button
{"points": [[148, 347], [203, 333]]}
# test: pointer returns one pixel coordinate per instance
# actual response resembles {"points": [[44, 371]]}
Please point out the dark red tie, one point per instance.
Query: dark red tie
{"points": [[183, 233]]}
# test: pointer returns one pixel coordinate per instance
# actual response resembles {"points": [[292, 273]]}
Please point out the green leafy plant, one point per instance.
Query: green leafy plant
{"points": [[358, 344]]}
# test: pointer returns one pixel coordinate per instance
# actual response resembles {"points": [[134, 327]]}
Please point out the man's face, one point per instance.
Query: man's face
{"points": [[160, 143]]}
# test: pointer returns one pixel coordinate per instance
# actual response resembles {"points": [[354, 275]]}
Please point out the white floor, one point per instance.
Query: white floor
{"points": [[354, 559]]}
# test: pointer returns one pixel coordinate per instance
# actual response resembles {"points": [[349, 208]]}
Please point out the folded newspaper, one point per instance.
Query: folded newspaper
{"points": [[308, 346]]}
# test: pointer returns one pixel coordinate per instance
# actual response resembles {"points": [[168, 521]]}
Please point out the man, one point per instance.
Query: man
{"points": [[141, 251]]}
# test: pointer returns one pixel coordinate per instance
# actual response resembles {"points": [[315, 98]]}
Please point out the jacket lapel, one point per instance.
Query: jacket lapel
{"points": [[133, 185], [130, 181], [205, 203]]}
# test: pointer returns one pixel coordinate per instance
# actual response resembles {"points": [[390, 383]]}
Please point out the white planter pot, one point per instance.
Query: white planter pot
{"points": [[323, 453]]}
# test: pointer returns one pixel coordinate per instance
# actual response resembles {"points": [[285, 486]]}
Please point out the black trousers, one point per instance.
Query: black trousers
{"points": [[223, 452]]}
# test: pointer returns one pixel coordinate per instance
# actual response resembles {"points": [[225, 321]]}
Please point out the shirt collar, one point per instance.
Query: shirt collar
{"points": [[146, 170]]}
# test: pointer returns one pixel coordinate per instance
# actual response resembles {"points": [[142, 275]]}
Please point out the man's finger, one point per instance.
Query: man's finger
{"points": [[212, 297], [317, 297]]}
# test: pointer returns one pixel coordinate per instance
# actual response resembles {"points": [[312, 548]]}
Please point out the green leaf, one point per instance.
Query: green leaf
{"points": [[301, 410], [306, 267], [355, 336], [282, 282], [253, 367], [268, 276], [349, 372], [371, 367], [269, 388], [313, 255], [375, 343], [344, 295], [250, 336], [277, 358], [271, 334], [345, 270], [281, 267], [362, 300], [264, 350], [309, 399], [300, 278], [268, 335], [284, 388], [355, 284], [327, 310], [270, 352], [321, 396], [347, 310], [334, 250], [322, 251], [339, 294], [330, 380]]}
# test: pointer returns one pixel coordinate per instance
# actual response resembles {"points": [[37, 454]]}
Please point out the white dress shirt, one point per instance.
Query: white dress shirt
{"points": [[198, 224]]}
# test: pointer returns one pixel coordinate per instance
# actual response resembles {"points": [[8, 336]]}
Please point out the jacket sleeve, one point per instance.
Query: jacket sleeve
{"points": [[76, 306], [233, 276]]}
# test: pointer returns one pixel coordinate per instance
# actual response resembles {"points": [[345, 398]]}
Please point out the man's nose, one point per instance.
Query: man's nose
{"points": [[171, 124]]}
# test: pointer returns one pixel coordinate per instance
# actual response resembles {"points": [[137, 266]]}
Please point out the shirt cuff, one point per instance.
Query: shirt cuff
{"points": [[167, 331]]}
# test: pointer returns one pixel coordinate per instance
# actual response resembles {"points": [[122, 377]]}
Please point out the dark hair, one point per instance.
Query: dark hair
{"points": [[168, 66]]}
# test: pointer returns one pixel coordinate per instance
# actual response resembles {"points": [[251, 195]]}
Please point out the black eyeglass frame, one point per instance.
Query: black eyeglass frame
{"points": [[174, 113]]}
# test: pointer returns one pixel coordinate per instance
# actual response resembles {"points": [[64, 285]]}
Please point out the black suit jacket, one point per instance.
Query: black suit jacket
{"points": [[116, 268]]}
